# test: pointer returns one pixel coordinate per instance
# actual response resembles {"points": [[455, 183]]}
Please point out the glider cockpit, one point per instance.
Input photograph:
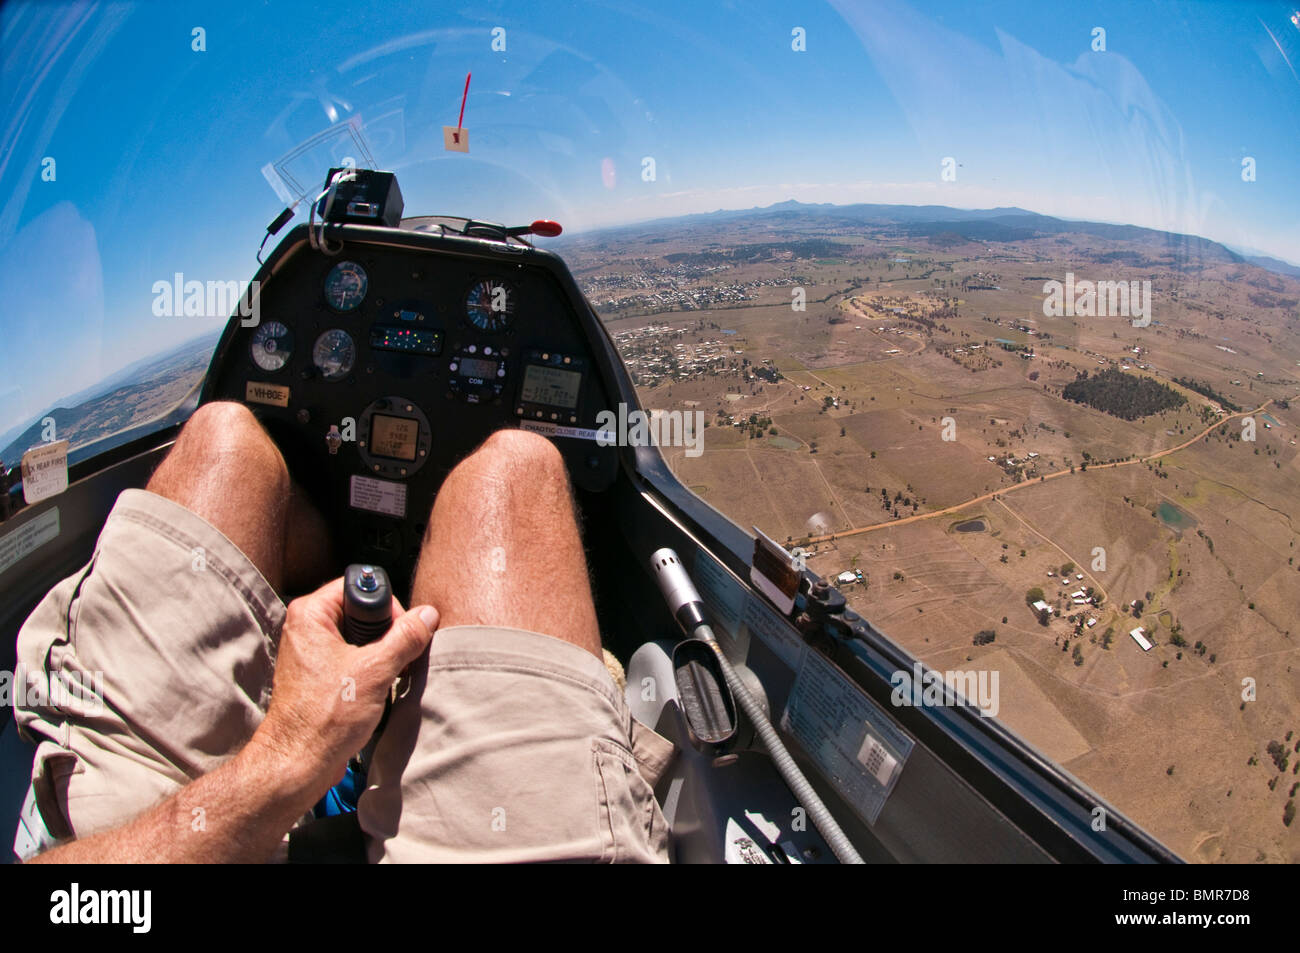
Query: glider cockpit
{"points": [[377, 367], [378, 352]]}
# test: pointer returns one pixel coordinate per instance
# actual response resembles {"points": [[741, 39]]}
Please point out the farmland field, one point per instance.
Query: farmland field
{"points": [[865, 405]]}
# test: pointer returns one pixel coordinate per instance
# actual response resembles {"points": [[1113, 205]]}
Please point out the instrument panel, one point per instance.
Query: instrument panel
{"points": [[377, 369]]}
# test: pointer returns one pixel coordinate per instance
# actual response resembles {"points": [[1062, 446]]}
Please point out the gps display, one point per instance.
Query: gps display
{"points": [[550, 386]]}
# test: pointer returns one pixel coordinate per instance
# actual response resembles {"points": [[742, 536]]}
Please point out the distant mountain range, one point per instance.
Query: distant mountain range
{"points": [[975, 225], [1268, 263], [117, 401]]}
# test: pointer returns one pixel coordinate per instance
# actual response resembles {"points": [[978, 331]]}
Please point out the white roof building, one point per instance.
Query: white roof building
{"points": [[1040, 605], [1141, 639]]}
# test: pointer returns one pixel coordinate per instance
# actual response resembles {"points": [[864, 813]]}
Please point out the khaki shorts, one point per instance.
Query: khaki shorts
{"points": [[511, 746]]}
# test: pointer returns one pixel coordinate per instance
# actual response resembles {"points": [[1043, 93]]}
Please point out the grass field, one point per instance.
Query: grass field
{"points": [[893, 379]]}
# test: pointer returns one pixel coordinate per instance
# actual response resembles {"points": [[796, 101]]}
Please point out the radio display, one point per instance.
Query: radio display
{"points": [[394, 437], [477, 367], [550, 386]]}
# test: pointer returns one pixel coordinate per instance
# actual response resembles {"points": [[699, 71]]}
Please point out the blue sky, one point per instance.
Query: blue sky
{"points": [[159, 148]]}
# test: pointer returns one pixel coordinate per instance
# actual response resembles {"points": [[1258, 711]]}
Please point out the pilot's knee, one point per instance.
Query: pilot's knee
{"points": [[523, 455], [521, 445], [219, 421], [228, 429]]}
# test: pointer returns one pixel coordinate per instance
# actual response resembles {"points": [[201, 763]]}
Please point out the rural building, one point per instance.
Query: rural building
{"points": [[1141, 639]]}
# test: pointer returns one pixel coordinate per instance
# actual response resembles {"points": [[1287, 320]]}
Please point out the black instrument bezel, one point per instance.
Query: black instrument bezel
{"points": [[394, 468], [324, 287]]}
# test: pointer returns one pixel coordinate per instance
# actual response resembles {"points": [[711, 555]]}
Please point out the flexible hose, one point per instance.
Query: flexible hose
{"points": [[837, 840]]}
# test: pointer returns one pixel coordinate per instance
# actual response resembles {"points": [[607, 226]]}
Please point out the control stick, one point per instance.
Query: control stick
{"points": [[367, 603]]}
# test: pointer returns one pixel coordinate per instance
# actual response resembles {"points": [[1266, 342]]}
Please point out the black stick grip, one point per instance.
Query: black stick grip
{"points": [[367, 603]]}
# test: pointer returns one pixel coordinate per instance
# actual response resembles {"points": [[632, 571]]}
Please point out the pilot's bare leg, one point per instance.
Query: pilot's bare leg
{"points": [[308, 547], [511, 746], [502, 546], [225, 468]]}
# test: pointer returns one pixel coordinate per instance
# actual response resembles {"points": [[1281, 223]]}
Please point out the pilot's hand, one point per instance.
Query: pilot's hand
{"points": [[328, 695]]}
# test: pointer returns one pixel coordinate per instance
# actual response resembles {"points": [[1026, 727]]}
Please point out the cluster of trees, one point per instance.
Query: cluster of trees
{"points": [[1277, 751], [1205, 390], [1262, 299], [1126, 396], [985, 636], [755, 426], [899, 500]]}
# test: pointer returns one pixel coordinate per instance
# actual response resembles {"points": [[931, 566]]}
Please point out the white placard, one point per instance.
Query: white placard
{"points": [[548, 429], [378, 496], [852, 740], [45, 471], [29, 537]]}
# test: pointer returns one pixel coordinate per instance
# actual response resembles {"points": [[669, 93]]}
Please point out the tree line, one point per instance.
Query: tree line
{"points": [[1126, 396]]}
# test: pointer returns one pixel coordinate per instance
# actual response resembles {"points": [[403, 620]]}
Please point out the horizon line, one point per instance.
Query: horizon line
{"points": [[957, 208]]}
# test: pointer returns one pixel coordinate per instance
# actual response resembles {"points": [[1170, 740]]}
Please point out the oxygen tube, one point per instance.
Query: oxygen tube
{"points": [[688, 608]]}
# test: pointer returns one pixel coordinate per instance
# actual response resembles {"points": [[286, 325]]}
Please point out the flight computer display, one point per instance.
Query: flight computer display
{"points": [[394, 437], [550, 386]]}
